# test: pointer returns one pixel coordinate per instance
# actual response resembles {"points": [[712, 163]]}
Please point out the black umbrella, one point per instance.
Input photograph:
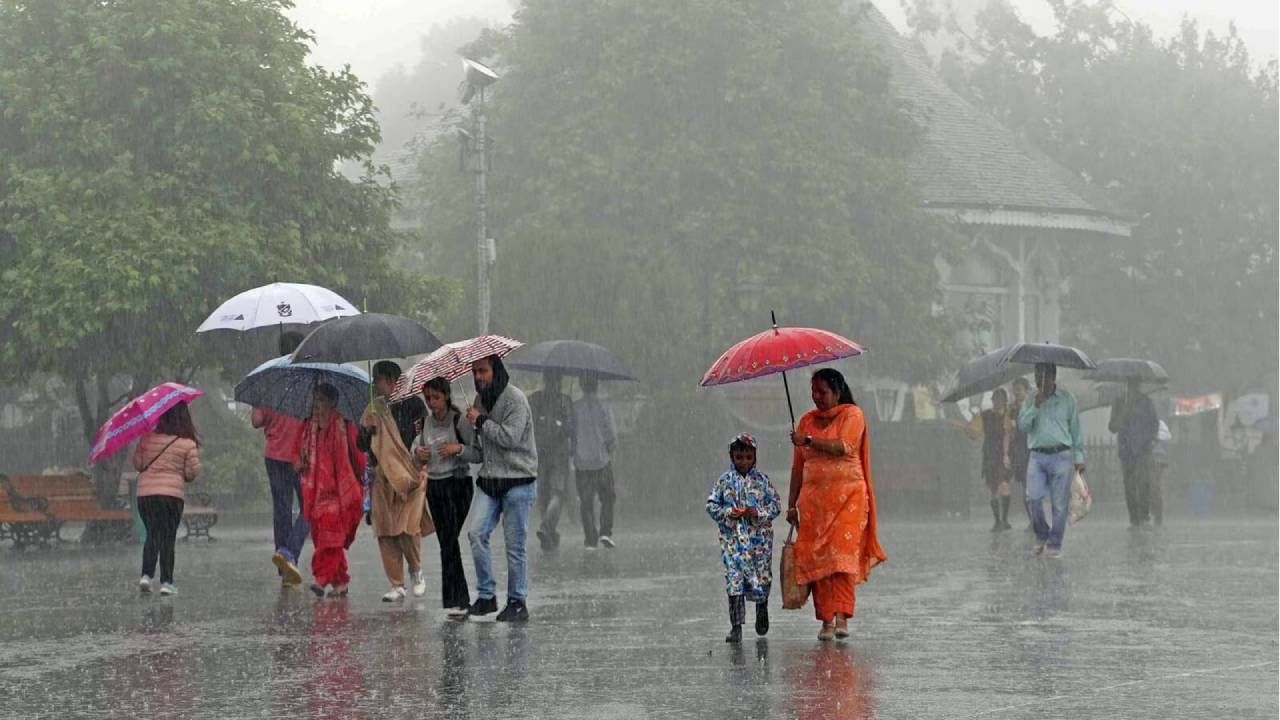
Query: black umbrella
{"points": [[1048, 353], [1104, 394], [570, 357], [366, 337], [1124, 370], [984, 374]]}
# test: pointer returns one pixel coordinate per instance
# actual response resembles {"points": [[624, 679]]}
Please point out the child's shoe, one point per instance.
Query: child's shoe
{"points": [[735, 635]]}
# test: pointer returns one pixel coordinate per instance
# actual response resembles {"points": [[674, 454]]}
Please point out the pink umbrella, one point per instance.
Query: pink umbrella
{"points": [[138, 417], [451, 362]]}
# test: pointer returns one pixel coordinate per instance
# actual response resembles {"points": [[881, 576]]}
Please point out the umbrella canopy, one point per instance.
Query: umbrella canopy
{"points": [[451, 362], [138, 417], [984, 374], [1050, 353], [1124, 370], [278, 304], [571, 357], [366, 337], [286, 387], [778, 350], [1104, 395]]}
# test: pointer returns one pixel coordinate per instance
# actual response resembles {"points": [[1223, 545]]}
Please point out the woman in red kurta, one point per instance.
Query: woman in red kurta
{"points": [[832, 502], [332, 498]]}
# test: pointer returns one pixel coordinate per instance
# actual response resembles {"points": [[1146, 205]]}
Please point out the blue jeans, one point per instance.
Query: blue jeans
{"points": [[513, 510], [1049, 476], [290, 534]]}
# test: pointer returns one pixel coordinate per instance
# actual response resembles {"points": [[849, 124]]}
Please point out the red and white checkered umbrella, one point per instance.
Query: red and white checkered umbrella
{"points": [[451, 362]]}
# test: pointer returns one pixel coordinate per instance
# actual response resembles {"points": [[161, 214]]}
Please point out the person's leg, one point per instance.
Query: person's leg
{"points": [[516, 507], [994, 502], [587, 506], [553, 486], [1003, 492], [282, 493], [341, 577], [1037, 491], [449, 501], [1156, 497], [762, 611], [488, 512], [298, 535], [171, 518], [411, 548], [1128, 469], [1060, 469], [737, 611], [1144, 488], [606, 489], [392, 554], [149, 509]]}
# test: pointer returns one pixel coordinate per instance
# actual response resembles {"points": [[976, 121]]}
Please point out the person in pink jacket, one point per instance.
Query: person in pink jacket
{"points": [[166, 459]]}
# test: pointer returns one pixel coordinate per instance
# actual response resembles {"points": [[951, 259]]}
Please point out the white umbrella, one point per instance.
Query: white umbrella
{"points": [[278, 304]]}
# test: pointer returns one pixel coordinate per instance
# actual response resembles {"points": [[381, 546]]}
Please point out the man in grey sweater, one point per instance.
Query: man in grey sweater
{"points": [[507, 482]]}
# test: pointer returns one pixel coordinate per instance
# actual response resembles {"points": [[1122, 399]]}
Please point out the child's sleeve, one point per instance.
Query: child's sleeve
{"points": [[716, 506], [772, 500]]}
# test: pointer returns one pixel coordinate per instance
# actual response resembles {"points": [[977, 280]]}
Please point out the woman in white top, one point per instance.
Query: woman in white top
{"points": [[444, 450]]}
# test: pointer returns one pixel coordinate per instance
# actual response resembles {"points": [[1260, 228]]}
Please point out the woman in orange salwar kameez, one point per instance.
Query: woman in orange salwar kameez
{"points": [[832, 502], [332, 497]]}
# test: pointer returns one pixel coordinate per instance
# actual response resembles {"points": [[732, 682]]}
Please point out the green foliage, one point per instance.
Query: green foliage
{"points": [[158, 156], [1181, 133], [666, 172]]}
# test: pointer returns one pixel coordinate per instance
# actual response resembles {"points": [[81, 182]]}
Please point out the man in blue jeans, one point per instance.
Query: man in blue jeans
{"points": [[1051, 421], [508, 486]]}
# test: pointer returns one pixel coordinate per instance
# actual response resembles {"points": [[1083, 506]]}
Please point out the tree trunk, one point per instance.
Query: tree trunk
{"points": [[105, 473]]}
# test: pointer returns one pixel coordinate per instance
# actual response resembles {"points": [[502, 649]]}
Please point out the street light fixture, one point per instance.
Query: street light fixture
{"points": [[479, 76]]}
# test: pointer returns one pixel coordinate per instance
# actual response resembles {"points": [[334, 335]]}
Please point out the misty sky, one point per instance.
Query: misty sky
{"points": [[374, 36]]}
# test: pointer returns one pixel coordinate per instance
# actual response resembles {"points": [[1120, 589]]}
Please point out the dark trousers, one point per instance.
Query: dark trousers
{"points": [[161, 515], [593, 484], [449, 501], [1137, 487], [553, 491], [290, 533]]}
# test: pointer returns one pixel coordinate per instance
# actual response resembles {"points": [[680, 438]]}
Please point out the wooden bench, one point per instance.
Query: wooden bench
{"points": [[70, 499], [199, 515], [24, 520]]}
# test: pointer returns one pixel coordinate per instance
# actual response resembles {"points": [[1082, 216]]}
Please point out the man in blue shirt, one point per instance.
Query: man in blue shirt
{"points": [[1052, 424]]}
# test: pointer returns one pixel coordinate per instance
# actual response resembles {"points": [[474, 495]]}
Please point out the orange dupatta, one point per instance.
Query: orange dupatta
{"points": [[837, 502]]}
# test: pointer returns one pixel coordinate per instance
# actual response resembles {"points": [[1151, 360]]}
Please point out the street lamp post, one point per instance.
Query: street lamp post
{"points": [[480, 77]]}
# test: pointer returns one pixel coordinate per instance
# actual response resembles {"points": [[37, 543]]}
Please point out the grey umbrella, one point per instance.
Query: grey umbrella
{"points": [[984, 374], [366, 337], [1124, 370], [1048, 353], [570, 357]]}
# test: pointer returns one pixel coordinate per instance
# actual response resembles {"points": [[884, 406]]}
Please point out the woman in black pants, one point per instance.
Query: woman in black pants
{"points": [[166, 459], [443, 451]]}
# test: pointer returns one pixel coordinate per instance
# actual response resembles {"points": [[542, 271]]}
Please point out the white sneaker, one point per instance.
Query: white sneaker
{"points": [[419, 584], [607, 541], [458, 612], [168, 589], [395, 595], [144, 585]]}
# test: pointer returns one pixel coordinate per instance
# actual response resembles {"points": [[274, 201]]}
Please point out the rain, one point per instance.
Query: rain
{"points": [[603, 359]]}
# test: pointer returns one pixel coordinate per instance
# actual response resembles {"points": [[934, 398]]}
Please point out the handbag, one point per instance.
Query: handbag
{"points": [[794, 595]]}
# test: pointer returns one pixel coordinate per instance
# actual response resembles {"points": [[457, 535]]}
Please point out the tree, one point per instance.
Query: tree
{"points": [[1182, 134], [158, 156], [755, 146]]}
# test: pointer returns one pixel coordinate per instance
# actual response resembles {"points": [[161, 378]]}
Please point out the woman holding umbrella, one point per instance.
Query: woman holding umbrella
{"points": [[832, 502], [332, 498], [166, 459]]}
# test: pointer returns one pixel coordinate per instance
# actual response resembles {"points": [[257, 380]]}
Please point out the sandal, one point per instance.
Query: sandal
{"points": [[842, 627]]}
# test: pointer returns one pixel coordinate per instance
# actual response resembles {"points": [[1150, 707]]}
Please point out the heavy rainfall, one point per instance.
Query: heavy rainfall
{"points": [[616, 359]]}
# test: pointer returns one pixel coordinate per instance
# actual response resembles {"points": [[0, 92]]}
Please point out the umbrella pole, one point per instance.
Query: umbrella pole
{"points": [[790, 410]]}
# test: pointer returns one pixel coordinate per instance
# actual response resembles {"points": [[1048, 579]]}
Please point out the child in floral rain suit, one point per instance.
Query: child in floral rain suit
{"points": [[744, 503]]}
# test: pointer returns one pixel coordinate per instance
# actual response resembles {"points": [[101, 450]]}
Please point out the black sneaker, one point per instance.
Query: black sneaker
{"points": [[735, 635], [762, 619], [483, 606], [515, 611]]}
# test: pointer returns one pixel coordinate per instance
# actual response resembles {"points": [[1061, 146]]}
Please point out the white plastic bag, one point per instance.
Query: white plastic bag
{"points": [[1081, 497]]}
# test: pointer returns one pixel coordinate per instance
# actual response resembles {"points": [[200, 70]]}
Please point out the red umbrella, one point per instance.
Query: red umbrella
{"points": [[777, 351]]}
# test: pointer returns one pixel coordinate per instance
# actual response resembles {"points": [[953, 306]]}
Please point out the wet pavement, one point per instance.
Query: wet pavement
{"points": [[1174, 623]]}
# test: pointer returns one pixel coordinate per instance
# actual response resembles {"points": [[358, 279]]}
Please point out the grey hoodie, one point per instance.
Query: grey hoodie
{"points": [[505, 440]]}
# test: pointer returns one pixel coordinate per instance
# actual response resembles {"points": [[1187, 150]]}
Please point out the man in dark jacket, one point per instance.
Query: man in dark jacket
{"points": [[1135, 423], [553, 427]]}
